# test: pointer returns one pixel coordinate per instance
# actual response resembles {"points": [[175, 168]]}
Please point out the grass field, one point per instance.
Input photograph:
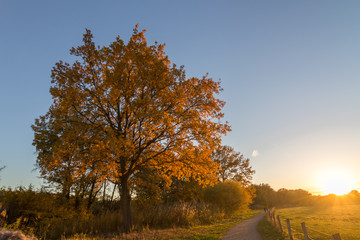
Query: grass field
{"points": [[322, 222], [209, 232]]}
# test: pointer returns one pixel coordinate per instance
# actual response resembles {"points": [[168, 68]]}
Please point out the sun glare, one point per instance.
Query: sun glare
{"points": [[336, 182]]}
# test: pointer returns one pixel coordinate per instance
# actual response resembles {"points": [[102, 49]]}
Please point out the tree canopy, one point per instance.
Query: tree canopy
{"points": [[232, 165], [123, 108]]}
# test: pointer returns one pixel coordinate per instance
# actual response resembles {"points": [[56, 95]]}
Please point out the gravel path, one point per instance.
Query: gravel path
{"points": [[246, 230]]}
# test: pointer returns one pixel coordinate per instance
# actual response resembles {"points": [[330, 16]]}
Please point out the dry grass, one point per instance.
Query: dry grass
{"points": [[210, 231], [181, 214], [162, 216]]}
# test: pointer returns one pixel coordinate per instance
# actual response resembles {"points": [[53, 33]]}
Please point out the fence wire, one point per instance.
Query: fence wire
{"points": [[322, 233], [297, 234]]}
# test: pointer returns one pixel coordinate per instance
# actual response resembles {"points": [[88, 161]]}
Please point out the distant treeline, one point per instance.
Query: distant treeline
{"points": [[265, 196]]}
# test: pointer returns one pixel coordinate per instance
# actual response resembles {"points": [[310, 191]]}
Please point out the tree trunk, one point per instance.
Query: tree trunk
{"points": [[66, 190], [104, 192], [77, 200], [90, 200], [113, 192], [125, 200]]}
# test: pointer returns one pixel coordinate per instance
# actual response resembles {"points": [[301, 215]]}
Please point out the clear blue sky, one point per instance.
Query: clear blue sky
{"points": [[289, 69]]}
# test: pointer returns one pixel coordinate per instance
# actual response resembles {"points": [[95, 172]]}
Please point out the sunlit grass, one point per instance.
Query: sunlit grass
{"points": [[322, 222], [211, 231], [268, 231]]}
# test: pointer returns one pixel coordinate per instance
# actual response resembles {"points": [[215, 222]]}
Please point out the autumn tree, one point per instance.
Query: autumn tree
{"points": [[139, 112], [232, 165]]}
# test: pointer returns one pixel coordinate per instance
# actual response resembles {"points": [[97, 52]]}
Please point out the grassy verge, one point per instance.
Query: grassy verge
{"points": [[209, 232], [268, 231]]}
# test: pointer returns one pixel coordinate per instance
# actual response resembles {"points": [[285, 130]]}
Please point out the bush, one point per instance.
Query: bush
{"points": [[228, 196], [32, 211]]}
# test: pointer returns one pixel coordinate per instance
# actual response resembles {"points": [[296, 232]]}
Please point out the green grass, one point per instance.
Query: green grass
{"points": [[322, 222], [268, 231], [201, 232]]}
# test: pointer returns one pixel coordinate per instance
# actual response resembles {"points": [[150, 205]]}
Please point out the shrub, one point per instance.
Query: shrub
{"points": [[32, 211], [228, 196]]}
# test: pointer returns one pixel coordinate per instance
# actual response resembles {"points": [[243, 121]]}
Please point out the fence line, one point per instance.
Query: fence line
{"points": [[290, 232]]}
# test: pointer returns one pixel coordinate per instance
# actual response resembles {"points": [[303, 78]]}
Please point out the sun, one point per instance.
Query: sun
{"points": [[336, 182]]}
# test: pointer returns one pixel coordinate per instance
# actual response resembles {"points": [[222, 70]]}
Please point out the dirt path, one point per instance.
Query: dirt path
{"points": [[246, 230]]}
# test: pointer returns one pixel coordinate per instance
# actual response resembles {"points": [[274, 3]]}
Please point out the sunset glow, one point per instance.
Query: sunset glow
{"points": [[336, 182]]}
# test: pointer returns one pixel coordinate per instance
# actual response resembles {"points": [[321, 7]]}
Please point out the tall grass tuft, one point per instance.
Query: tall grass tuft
{"points": [[107, 222], [179, 214]]}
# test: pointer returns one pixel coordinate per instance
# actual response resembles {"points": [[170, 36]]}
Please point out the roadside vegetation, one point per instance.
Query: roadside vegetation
{"points": [[268, 231], [185, 210], [208, 231], [45, 215]]}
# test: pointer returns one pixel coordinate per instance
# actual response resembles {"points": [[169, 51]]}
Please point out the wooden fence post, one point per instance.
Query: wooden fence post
{"points": [[273, 215], [305, 231], [336, 236], [278, 218], [289, 229]]}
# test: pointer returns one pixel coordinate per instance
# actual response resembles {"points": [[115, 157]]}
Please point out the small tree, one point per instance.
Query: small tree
{"points": [[67, 158], [138, 111], [232, 165], [264, 195]]}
